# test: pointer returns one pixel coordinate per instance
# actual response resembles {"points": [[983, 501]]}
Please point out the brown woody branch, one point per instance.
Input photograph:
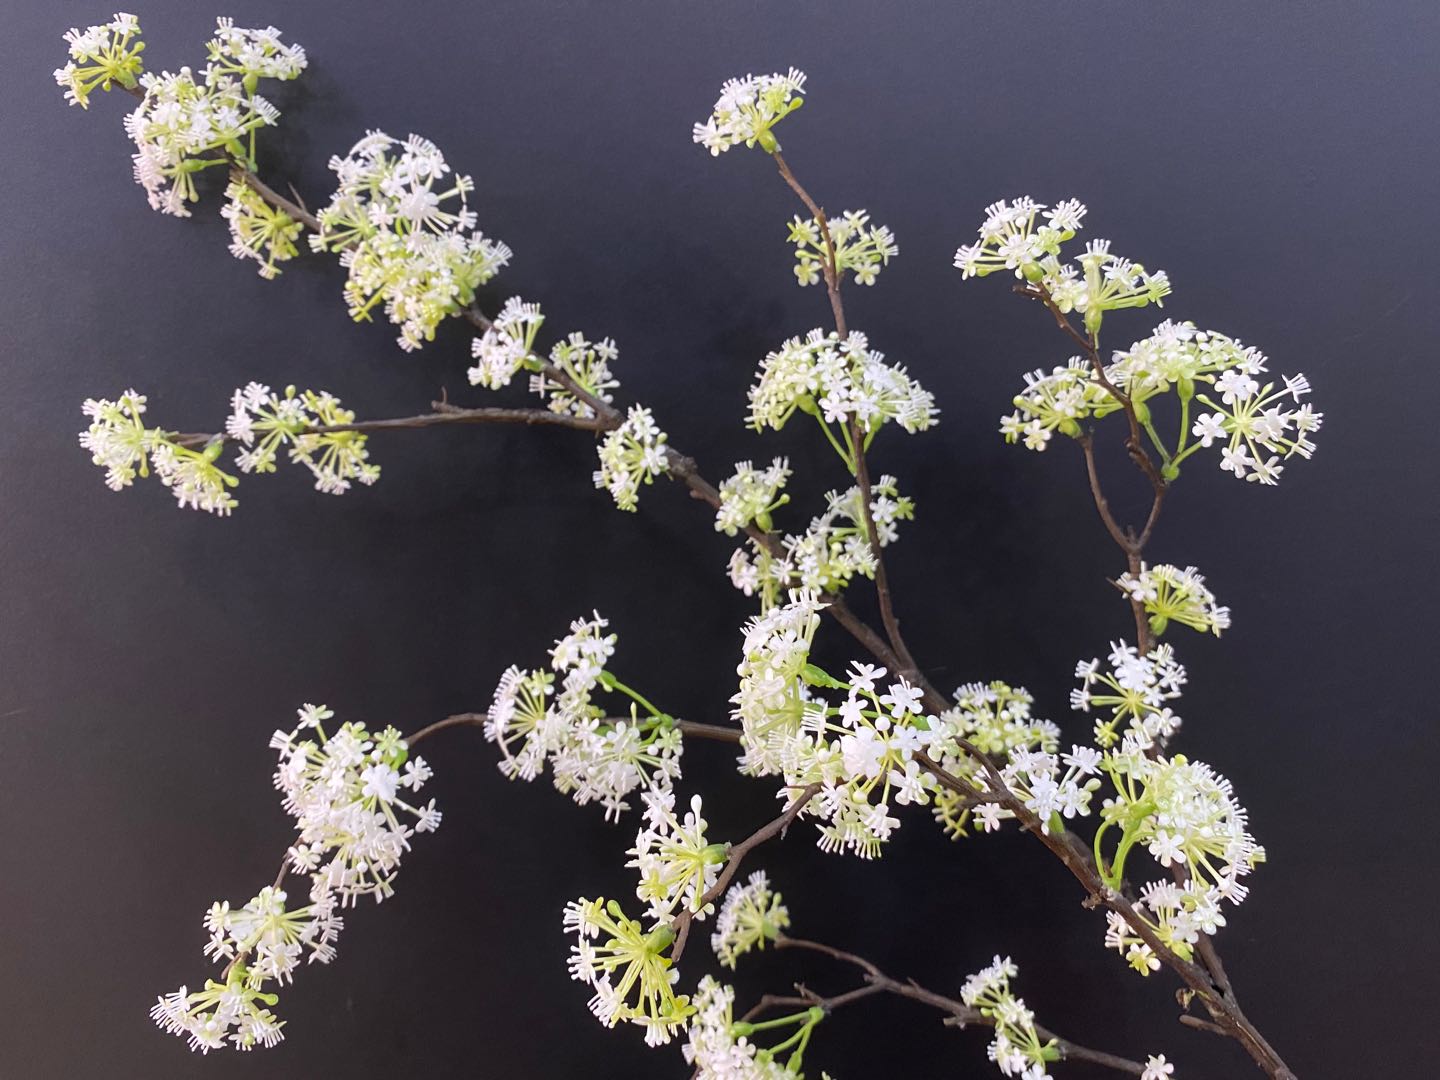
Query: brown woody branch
{"points": [[960, 1014]]}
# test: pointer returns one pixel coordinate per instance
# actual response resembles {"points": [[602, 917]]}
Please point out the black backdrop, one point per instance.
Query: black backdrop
{"points": [[1279, 161]]}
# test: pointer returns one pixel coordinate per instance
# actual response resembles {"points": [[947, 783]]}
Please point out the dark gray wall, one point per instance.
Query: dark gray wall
{"points": [[1278, 160]]}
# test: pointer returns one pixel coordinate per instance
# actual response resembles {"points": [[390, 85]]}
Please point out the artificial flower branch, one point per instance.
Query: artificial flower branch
{"points": [[1210, 983], [830, 267], [402, 227], [605, 417]]}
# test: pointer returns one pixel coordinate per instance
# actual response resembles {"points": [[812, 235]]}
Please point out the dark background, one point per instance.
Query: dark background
{"points": [[1278, 160]]}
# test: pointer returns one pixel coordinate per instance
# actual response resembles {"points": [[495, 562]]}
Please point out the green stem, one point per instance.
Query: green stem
{"points": [[1184, 454], [611, 683], [793, 1018], [1149, 427], [830, 435], [1099, 858], [853, 458]]}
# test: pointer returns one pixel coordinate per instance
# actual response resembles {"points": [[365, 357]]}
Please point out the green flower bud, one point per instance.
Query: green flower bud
{"points": [[661, 938], [815, 676], [714, 854]]}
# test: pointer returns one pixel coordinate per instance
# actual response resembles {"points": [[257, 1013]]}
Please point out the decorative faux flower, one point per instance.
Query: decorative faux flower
{"points": [[748, 108], [627, 967], [100, 56]]}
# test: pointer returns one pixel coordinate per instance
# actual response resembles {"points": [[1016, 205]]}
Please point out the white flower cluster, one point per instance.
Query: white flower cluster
{"points": [[772, 695], [258, 230], [100, 56], [631, 455], [677, 864], [830, 552], [864, 757], [1168, 594], [748, 108], [627, 968], [250, 55], [180, 122], [994, 718], [119, 441], [1052, 786], [1056, 400], [715, 1048], [334, 458], [1010, 239], [836, 381], [750, 915], [1181, 812], [1016, 1048], [1250, 422], [859, 247], [594, 757], [750, 494], [506, 346], [1135, 690], [263, 942], [588, 365], [344, 791], [1254, 429], [861, 752], [406, 234]]}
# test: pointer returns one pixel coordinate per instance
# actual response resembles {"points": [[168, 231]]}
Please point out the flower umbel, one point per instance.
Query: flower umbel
{"points": [[1168, 593], [345, 791], [258, 230], [1016, 1048], [750, 915], [506, 346], [405, 232], [102, 55], [627, 967], [677, 864], [265, 421], [631, 455], [119, 440], [836, 381], [595, 755], [859, 247], [747, 110]]}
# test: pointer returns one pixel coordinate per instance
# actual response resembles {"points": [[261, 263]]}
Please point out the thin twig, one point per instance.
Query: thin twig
{"points": [[733, 859], [830, 267], [960, 1013], [707, 731], [468, 719], [440, 418]]}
